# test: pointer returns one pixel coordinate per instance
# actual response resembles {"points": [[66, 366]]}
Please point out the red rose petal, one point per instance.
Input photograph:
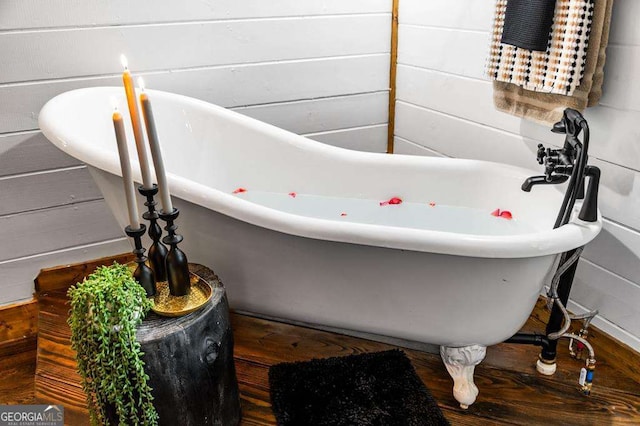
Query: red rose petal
{"points": [[394, 200], [495, 213], [239, 190], [432, 204], [506, 215], [293, 194]]}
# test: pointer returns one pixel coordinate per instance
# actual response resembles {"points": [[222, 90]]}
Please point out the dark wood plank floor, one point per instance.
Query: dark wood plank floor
{"points": [[511, 392]]}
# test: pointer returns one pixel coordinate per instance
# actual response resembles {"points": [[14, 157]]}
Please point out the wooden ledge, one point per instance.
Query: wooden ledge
{"points": [[62, 277], [18, 327]]}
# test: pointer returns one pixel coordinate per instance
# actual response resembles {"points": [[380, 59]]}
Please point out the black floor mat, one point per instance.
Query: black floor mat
{"points": [[379, 388]]}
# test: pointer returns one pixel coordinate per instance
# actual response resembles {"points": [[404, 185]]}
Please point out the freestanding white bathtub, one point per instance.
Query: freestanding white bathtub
{"points": [[309, 241]]}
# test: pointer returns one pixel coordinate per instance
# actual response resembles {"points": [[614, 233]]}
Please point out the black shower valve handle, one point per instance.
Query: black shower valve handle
{"points": [[541, 154]]}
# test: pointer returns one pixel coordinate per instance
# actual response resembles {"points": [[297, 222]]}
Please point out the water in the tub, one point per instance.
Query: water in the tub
{"points": [[393, 212]]}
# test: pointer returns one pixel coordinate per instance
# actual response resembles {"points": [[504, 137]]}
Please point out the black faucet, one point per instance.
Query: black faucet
{"points": [[560, 165], [542, 180], [569, 163]]}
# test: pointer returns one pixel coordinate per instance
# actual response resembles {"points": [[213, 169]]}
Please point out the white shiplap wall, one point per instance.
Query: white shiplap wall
{"points": [[315, 67], [445, 107]]}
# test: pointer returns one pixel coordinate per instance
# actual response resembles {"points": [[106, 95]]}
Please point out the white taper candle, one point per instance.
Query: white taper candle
{"points": [[125, 165], [135, 122], [156, 153]]}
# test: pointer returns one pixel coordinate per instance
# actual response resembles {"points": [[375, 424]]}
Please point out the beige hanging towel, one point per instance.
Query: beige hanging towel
{"points": [[539, 85]]}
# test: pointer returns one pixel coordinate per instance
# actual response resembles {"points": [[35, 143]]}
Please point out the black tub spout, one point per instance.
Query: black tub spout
{"points": [[542, 180]]}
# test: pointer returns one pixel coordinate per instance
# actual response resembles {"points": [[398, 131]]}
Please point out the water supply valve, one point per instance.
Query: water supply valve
{"points": [[576, 348], [586, 376]]}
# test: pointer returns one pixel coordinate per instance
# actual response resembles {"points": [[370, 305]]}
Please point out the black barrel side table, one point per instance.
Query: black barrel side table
{"points": [[189, 361]]}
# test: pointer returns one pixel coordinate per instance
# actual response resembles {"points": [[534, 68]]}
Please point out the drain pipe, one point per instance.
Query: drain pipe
{"points": [[529, 339]]}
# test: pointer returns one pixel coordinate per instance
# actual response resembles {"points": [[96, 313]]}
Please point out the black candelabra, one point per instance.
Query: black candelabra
{"points": [[176, 261], [157, 251], [166, 264], [143, 274]]}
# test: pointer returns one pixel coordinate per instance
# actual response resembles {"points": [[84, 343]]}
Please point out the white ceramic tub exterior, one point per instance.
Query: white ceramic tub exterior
{"points": [[447, 287]]}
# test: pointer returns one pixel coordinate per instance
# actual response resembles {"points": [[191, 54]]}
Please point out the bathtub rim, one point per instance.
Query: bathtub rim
{"points": [[574, 234]]}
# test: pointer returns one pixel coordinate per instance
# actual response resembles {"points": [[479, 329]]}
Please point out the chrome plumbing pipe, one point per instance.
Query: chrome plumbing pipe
{"points": [[553, 293], [585, 342]]}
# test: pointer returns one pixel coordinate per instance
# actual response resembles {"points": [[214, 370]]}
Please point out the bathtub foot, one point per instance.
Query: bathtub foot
{"points": [[460, 363]]}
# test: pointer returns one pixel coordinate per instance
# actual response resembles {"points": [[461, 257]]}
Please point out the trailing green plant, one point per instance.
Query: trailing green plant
{"points": [[106, 308]]}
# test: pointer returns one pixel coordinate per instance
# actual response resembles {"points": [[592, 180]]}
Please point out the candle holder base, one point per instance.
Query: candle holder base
{"points": [[176, 264], [157, 251], [143, 274], [174, 306]]}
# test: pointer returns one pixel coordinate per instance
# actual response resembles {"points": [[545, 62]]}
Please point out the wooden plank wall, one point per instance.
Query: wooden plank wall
{"points": [[316, 68], [445, 107]]}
